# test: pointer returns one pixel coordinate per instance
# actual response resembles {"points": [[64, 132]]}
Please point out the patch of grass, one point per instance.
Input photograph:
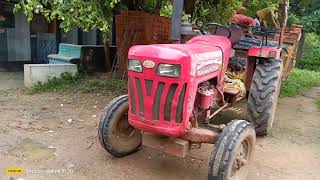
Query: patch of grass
{"points": [[299, 81], [80, 82], [318, 103], [65, 82], [94, 85]]}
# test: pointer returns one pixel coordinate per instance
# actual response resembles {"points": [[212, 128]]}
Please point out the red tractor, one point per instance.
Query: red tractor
{"points": [[174, 90]]}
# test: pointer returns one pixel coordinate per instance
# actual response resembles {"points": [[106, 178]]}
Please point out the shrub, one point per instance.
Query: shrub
{"points": [[311, 54], [299, 81], [82, 83]]}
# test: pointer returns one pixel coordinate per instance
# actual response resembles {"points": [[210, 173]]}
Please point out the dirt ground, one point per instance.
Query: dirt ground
{"points": [[54, 136]]}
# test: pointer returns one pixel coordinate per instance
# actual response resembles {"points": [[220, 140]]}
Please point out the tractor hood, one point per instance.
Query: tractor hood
{"points": [[198, 48], [175, 51]]}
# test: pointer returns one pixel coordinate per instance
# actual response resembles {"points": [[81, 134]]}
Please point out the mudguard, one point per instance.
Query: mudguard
{"points": [[265, 52]]}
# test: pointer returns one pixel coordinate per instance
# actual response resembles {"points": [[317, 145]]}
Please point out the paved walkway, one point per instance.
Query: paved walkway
{"points": [[11, 80]]}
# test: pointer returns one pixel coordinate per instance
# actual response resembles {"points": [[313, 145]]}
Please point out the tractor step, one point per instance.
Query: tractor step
{"points": [[170, 145]]}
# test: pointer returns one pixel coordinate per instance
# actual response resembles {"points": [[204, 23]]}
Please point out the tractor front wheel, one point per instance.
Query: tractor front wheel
{"points": [[116, 135], [263, 94], [232, 152]]}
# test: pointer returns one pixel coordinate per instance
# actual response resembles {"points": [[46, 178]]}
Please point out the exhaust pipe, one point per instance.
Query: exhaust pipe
{"points": [[200, 135]]}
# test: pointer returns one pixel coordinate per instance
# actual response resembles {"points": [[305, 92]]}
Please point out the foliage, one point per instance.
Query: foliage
{"points": [[157, 7], [293, 19], [312, 64], [166, 9], [301, 7], [79, 82], [307, 13], [308, 6], [299, 81], [96, 85], [214, 11], [255, 5], [87, 15], [311, 22], [311, 54], [66, 81], [309, 75], [221, 11]]}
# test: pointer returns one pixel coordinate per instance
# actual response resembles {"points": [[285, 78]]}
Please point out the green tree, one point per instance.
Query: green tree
{"points": [[311, 22], [307, 13], [87, 15], [221, 11], [218, 11]]}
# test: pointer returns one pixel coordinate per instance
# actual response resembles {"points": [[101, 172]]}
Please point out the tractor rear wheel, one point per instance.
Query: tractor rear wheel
{"points": [[116, 135], [264, 93], [232, 152]]}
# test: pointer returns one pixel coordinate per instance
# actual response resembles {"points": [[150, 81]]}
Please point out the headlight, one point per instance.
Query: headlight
{"points": [[169, 70], [134, 65]]}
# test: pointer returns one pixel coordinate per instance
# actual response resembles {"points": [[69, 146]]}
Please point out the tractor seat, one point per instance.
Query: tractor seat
{"points": [[236, 34]]}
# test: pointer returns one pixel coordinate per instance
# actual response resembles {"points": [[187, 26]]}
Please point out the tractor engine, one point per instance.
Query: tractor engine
{"points": [[206, 94], [164, 82]]}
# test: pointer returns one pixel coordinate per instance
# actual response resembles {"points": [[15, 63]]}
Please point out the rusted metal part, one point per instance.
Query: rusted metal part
{"points": [[251, 66], [220, 94], [200, 135], [194, 122], [285, 5], [219, 110], [208, 112], [218, 127], [293, 39]]}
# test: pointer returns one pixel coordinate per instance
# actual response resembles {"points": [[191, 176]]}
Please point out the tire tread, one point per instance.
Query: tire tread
{"points": [[106, 119], [262, 94], [224, 148]]}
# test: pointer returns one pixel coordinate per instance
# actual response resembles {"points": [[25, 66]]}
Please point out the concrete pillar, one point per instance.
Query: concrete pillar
{"points": [[18, 39], [176, 20]]}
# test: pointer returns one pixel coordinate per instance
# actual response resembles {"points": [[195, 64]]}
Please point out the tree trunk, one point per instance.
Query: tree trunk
{"points": [[106, 39], [189, 6]]}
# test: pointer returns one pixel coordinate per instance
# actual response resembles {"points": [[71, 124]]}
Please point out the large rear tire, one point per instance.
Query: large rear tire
{"points": [[232, 152], [264, 93], [116, 135]]}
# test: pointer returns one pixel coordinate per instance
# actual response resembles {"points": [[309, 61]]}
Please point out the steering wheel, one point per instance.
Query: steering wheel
{"points": [[217, 29]]}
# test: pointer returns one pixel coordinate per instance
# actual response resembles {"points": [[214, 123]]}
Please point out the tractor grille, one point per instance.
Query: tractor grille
{"points": [[157, 93]]}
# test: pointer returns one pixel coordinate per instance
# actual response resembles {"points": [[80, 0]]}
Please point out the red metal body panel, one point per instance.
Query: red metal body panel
{"points": [[264, 52], [199, 50]]}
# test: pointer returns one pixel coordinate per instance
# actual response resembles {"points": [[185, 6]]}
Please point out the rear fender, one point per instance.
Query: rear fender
{"points": [[265, 52]]}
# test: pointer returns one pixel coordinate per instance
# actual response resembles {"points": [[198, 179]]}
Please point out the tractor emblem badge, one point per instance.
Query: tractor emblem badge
{"points": [[149, 64]]}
